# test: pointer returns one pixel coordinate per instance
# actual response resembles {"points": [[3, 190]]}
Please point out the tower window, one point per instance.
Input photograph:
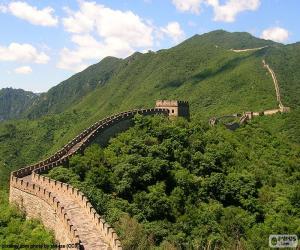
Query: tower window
{"points": [[172, 111]]}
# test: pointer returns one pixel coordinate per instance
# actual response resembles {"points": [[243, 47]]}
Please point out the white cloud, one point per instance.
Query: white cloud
{"points": [[71, 60], [174, 31], [109, 23], [88, 48], [118, 33], [276, 34], [188, 5], [98, 31], [82, 21], [23, 10], [226, 12], [22, 53], [124, 26], [229, 11], [23, 70]]}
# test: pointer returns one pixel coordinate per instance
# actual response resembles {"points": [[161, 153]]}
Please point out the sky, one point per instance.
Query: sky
{"points": [[44, 42]]}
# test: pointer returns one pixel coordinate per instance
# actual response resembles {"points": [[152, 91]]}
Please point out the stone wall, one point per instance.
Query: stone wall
{"points": [[67, 190], [33, 193], [175, 108], [246, 116], [249, 114], [271, 111], [41, 204], [110, 132]]}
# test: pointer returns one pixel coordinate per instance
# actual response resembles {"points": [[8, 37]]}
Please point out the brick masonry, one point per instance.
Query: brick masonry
{"points": [[37, 208], [63, 208]]}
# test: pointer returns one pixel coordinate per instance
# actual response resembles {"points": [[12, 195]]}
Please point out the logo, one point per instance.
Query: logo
{"points": [[283, 240]]}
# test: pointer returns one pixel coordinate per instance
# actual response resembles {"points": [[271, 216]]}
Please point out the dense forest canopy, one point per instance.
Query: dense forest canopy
{"points": [[171, 183], [167, 183]]}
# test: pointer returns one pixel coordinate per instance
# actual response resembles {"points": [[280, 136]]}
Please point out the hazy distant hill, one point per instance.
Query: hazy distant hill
{"points": [[13, 102]]}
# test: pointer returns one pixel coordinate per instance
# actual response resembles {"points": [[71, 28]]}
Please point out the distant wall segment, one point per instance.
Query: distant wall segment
{"points": [[246, 116]]}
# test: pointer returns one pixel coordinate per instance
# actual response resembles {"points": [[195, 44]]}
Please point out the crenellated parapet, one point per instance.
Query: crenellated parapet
{"points": [[64, 189], [33, 191], [61, 207], [175, 108]]}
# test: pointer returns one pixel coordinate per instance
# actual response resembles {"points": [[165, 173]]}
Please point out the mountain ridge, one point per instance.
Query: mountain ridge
{"points": [[74, 89], [216, 82], [13, 102]]}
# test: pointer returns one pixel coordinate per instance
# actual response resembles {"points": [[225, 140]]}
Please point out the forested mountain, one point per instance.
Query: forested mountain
{"points": [[228, 40], [202, 70], [72, 90], [202, 58], [284, 61], [203, 64], [173, 184], [14, 102], [202, 183]]}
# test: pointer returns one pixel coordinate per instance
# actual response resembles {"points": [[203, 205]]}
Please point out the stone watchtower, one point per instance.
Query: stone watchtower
{"points": [[176, 108]]}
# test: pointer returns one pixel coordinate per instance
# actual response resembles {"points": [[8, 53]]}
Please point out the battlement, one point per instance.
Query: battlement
{"points": [[34, 199], [175, 107], [170, 103], [48, 199]]}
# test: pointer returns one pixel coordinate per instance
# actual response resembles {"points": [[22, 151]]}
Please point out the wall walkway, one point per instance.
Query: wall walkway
{"points": [[61, 207], [249, 115]]}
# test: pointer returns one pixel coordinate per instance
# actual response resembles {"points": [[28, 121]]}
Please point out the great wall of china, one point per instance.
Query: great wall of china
{"points": [[66, 210], [248, 115], [63, 208]]}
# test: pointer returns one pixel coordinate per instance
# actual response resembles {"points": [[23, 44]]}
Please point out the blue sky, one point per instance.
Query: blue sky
{"points": [[44, 42]]}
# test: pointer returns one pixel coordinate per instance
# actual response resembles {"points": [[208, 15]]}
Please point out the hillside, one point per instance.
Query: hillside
{"points": [[202, 58], [285, 62], [72, 90], [178, 181], [17, 103], [228, 40], [214, 79], [196, 70], [211, 71], [166, 184], [14, 102]]}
